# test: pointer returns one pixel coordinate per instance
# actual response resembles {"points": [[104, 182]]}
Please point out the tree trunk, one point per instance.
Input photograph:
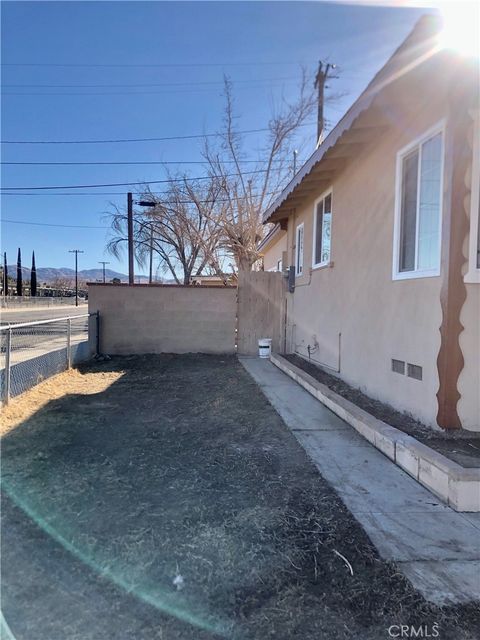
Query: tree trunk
{"points": [[33, 278]]}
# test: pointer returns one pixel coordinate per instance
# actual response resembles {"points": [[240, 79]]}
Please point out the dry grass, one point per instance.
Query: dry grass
{"points": [[73, 381], [182, 467]]}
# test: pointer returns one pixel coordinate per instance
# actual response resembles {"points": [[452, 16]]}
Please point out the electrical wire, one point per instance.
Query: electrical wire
{"points": [[117, 193], [48, 224], [131, 93], [163, 64], [128, 184], [135, 162], [111, 141], [160, 84]]}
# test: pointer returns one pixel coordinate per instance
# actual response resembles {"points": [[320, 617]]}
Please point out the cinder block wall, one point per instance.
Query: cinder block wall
{"points": [[164, 318]]}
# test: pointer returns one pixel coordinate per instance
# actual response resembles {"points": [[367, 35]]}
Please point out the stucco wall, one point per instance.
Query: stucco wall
{"points": [[274, 253], [469, 382], [378, 318], [164, 319]]}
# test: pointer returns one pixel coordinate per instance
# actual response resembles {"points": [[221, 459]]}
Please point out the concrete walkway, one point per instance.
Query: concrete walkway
{"points": [[437, 548]]}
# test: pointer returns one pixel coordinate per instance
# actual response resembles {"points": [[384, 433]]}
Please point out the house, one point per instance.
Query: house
{"points": [[272, 249], [381, 225], [212, 280]]}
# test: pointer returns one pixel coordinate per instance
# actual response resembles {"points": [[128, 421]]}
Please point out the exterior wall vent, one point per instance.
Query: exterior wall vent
{"points": [[398, 366], [414, 371]]}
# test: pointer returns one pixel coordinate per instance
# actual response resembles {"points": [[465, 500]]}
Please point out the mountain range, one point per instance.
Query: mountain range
{"points": [[50, 274]]}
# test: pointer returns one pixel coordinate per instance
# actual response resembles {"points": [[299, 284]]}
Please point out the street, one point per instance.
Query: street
{"points": [[31, 314]]}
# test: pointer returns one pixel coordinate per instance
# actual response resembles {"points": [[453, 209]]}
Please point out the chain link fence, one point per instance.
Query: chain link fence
{"points": [[22, 302], [33, 351]]}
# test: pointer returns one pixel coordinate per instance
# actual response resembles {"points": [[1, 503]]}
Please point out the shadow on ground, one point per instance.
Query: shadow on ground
{"points": [[182, 468]]}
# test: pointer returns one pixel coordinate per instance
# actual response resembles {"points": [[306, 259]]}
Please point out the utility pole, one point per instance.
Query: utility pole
{"points": [[150, 271], [103, 263], [295, 154], [131, 248], [320, 79], [76, 252], [130, 237]]}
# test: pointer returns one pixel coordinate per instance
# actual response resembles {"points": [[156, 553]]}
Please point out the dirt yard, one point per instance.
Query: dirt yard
{"points": [[162, 497]]}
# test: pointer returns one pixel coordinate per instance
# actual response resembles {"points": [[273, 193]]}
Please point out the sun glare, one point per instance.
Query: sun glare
{"points": [[461, 28]]}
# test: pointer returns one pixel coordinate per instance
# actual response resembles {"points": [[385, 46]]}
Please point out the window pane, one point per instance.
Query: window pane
{"points": [[318, 233], [326, 233], [429, 209], [408, 212], [299, 250], [328, 204]]}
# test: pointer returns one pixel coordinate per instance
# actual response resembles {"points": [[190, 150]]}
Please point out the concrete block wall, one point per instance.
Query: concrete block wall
{"points": [[142, 319]]}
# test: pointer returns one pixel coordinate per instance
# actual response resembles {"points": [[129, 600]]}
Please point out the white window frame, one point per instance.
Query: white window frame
{"points": [[416, 144], [325, 263], [299, 250], [473, 273]]}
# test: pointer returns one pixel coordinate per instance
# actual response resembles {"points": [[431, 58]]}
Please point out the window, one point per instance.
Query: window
{"points": [[418, 208], [473, 274], [279, 265], [322, 231], [299, 251]]}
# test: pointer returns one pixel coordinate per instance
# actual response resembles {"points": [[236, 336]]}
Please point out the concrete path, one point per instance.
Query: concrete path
{"points": [[437, 548]]}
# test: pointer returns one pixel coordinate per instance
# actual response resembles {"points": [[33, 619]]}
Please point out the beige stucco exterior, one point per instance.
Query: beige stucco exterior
{"points": [[353, 314], [469, 381], [273, 251]]}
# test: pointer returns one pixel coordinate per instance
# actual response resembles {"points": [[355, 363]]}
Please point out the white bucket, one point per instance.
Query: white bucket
{"points": [[265, 347]]}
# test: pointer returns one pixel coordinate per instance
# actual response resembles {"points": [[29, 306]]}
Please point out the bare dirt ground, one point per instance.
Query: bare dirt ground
{"points": [[459, 445], [162, 497]]}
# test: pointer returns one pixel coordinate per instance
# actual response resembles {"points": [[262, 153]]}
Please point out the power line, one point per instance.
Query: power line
{"points": [[189, 137], [153, 193], [84, 193], [133, 65], [128, 184], [139, 162], [119, 193], [48, 224], [130, 93], [161, 84]]}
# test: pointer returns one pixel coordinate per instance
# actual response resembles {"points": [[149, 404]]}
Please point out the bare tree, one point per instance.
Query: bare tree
{"points": [[216, 226], [180, 229], [248, 192], [62, 283]]}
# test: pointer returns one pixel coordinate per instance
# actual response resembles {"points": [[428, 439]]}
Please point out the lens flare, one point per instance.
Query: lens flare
{"points": [[461, 28]]}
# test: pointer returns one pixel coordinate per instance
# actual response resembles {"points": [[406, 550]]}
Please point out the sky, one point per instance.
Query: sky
{"points": [[116, 70]]}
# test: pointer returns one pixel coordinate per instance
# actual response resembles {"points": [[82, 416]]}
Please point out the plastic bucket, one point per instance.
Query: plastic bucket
{"points": [[264, 347]]}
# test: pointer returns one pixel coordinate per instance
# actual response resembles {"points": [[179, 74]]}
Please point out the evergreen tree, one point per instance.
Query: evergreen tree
{"points": [[33, 277], [5, 274], [19, 274]]}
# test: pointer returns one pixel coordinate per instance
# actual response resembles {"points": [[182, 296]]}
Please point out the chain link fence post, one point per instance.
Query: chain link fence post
{"points": [[8, 350], [69, 343]]}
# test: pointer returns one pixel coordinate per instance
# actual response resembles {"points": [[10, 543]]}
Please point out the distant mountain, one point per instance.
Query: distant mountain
{"points": [[50, 274]]}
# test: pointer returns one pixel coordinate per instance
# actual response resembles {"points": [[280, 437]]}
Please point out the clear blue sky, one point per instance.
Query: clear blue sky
{"points": [[258, 44]]}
